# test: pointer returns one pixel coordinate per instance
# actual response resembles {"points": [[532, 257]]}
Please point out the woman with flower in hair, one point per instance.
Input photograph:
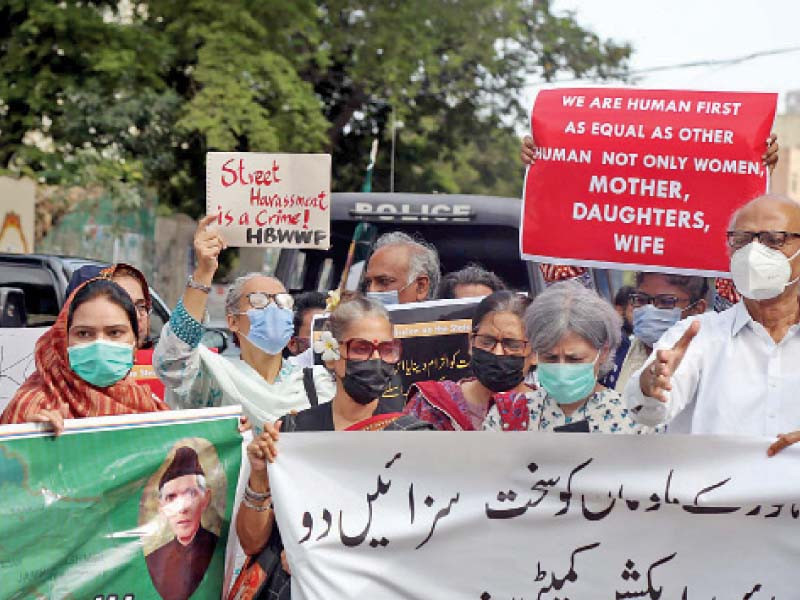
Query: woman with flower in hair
{"points": [[361, 351]]}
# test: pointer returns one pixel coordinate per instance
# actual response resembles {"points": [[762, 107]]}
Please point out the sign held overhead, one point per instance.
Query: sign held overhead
{"points": [[270, 200], [642, 179]]}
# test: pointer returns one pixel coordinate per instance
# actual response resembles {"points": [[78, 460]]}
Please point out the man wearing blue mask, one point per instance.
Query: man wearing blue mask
{"points": [[401, 270], [659, 301], [259, 314], [735, 372]]}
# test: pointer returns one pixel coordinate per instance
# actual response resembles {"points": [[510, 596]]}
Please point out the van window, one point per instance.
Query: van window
{"points": [[297, 271], [325, 282]]}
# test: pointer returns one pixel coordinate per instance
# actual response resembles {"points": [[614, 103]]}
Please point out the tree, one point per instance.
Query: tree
{"points": [[137, 92], [449, 70]]}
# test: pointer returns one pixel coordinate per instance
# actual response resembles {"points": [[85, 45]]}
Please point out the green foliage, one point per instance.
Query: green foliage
{"points": [[251, 101], [453, 72], [131, 94]]}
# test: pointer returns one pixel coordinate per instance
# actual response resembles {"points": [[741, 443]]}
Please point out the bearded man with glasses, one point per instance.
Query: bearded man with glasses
{"points": [[736, 372]]}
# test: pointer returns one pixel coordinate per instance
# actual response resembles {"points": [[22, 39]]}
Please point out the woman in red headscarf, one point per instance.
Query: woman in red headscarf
{"points": [[83, 362]]}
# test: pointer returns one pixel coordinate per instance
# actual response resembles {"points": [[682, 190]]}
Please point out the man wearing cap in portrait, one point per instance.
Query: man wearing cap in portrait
{"points": [[177, 568]]}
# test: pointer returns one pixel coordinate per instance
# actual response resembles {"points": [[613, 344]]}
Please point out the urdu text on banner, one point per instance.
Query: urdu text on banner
{"points": [[270, 200], [642, 179], [496, 516]]}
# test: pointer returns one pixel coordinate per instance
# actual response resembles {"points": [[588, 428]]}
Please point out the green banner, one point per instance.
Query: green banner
{"points": [[121, 508]]}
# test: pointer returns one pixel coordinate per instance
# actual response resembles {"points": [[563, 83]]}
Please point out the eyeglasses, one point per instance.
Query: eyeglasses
{"points": [[489, 343], [303, 343], [639, 299], [262, 300], [142, 309], [771, 239], [361, 349]]}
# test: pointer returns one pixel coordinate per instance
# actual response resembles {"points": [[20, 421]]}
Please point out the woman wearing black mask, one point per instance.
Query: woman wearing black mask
{"points": [[500, 358], [359, 348]]}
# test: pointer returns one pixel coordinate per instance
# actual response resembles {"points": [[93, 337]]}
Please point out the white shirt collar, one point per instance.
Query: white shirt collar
{"points": [[741, 317]]}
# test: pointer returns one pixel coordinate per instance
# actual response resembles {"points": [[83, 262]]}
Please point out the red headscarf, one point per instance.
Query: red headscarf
{"points": [[55, 386]]}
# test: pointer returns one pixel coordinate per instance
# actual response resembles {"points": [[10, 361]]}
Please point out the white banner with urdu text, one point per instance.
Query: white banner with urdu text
{"points": [[493, 515]]}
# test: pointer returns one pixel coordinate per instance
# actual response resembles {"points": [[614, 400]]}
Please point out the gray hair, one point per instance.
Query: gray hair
{"points": [[423, 258], [472, 274], [780, 198], [235, 291], [201, 485], [351, 310], [568, 307]]}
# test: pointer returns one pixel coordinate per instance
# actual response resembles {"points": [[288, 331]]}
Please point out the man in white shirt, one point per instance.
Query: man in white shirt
{"points": [[736, 372]]}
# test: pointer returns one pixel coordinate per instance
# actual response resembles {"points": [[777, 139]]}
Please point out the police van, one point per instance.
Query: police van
{"points": [[463, 228]]}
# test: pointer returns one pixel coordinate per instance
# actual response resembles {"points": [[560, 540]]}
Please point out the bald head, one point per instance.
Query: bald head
{"points": [[771, 212]]}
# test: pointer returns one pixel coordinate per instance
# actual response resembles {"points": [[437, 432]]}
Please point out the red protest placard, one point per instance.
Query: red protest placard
{"points": [[642, 179]]}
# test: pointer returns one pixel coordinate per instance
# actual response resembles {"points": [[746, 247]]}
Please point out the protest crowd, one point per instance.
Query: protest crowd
{"points": [[666, 357]]}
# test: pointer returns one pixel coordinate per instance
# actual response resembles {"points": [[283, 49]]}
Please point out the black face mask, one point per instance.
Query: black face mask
{"points": [[366, 380], [499, 373]]}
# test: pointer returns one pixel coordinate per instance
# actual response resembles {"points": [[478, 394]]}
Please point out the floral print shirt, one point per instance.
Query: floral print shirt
{"points": [[604, 410]]}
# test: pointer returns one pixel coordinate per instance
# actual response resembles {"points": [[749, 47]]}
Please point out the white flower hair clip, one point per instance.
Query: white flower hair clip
{"points": [[334, 297], [327, 346]]}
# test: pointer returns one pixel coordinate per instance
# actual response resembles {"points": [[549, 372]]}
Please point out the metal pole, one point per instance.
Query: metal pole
{"points": [[391, 168]]}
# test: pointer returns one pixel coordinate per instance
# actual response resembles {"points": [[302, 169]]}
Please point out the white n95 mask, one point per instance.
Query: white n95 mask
{"points": [[759, 272]]}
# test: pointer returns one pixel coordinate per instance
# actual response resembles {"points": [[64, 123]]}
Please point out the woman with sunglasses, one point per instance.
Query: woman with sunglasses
{"points": [[574, 333], [361, 351], [500, 358], [259, 314]]}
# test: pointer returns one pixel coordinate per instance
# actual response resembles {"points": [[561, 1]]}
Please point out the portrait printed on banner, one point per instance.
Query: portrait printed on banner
{"points": [[183, 506]]}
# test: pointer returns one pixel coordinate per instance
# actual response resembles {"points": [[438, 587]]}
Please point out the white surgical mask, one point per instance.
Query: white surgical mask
{"points": [[759, 272]]}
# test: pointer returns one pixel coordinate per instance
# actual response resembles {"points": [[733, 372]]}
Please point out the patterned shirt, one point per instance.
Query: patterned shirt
{"points": [[604, 410]]}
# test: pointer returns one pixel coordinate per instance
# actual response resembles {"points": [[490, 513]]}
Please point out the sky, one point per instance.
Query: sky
{"points": [[668, 32]]}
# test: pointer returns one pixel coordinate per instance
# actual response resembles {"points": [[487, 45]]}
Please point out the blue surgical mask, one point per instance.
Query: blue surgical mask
{"points": [[567, 383], [650, 323], [270, 328], [386, 298], [101, 363]]}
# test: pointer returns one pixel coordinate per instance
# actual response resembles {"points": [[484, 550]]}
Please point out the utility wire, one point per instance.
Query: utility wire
{"points": [[689, 65], [716, 62]]}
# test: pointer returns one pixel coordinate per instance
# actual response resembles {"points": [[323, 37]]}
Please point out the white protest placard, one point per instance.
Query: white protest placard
{"points": [[496, 516], [16, 359], [270, 200]]}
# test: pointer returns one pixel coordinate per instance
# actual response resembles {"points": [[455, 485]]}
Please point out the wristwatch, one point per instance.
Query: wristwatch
{"points": [[191, 283]]}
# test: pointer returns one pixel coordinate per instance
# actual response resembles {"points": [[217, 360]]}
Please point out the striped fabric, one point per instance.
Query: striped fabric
{"points": [[54, 386]]}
